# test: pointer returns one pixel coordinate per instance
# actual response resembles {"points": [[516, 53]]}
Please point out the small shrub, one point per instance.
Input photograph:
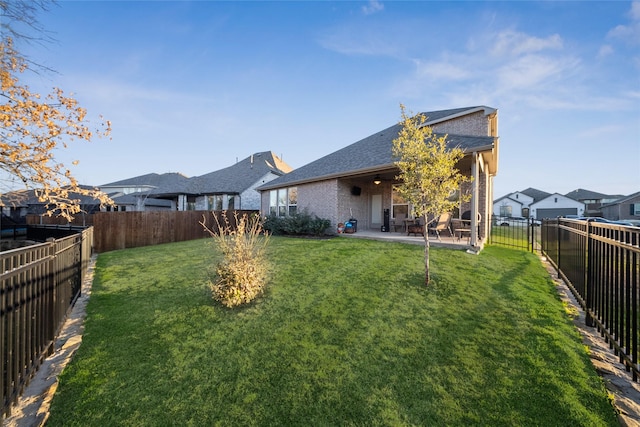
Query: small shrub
{"points": [[301, 224], [242, 273]]}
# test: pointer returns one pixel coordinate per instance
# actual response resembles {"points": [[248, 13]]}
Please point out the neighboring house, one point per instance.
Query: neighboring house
{"points": [[592, 200], [625, 208], [233, 187], [534, 203], [555, 205], [514, 204], [18, 204], [358, 181], [134, 194]]}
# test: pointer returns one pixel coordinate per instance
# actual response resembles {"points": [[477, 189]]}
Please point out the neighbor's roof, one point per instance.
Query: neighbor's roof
{"points": [[623, 199], [508, 197], [132, 199], [582, 194], [25, 198], [374, 152], [536, 194], [151, 180], [230, 180]]}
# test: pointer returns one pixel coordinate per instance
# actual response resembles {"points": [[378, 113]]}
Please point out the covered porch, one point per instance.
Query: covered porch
{"points": [[371, 199]]}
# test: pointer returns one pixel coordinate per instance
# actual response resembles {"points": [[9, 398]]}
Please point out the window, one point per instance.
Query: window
{"points": [[283, 202], [273, 202], [635, 209], [293, 200], [215, 202], [231, 203], [399, 206], [505, 210], [191, 203]]}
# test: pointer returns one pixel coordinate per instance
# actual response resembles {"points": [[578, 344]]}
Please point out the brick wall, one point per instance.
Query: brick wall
{"points": [[476, 124]]}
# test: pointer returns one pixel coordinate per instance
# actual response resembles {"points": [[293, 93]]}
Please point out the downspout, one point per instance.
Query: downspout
{"points": [[474, 200]]}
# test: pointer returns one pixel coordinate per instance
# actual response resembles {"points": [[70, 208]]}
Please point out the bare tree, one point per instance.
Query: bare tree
{"points": [[33, 127]]}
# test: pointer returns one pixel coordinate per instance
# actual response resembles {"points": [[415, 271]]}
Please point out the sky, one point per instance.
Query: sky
{"points": [[194, 86]]}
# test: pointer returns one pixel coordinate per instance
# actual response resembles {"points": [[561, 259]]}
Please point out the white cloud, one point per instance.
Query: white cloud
{"points": [[531, 71], [372, 7], [634, 13], [605, 50], [631, 32], [511, 42]]}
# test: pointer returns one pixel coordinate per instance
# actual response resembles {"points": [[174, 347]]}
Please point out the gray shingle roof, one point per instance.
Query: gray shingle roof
{"points": [[582, 194], [373, 153], [536, 194], [230, 180], [152, 180]]}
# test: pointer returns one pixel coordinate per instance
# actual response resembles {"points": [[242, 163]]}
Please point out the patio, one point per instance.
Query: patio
{"points": [[446, 241]]}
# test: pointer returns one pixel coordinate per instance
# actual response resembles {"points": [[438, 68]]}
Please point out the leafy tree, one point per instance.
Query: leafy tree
{"points": [[32, 128], [428, 174]]}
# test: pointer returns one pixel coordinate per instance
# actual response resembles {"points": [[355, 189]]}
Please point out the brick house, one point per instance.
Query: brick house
{"points": [[233, 187], [625, 208], [358, 181]]}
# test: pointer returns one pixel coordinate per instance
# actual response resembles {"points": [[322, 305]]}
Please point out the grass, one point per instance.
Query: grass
{"points": [[346, 334]]}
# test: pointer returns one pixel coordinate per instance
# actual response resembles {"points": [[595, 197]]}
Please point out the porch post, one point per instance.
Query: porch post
{"points": [[474, 199]]}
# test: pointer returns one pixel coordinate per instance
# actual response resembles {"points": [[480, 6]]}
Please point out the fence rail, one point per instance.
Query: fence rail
{"points": [[519, 233], [601, 265], [38, 285]]}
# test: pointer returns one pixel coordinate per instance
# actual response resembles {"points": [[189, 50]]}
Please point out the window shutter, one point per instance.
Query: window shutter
{"points": [[632, 210]]}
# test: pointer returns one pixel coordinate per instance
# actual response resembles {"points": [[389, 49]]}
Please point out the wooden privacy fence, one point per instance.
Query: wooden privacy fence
{"points": [[601, 265], [122, 230], [38, 286]]}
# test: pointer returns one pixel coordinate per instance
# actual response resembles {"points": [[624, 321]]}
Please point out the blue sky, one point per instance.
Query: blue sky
{"points": [[192, 87]]}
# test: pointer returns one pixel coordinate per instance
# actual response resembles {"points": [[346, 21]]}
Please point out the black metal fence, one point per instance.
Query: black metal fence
{"points": [[519, 233], [601, 265], [38, 286]]}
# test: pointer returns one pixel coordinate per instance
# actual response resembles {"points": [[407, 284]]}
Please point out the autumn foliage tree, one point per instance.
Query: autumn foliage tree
{"points": [[31, 129], [427, 171]]}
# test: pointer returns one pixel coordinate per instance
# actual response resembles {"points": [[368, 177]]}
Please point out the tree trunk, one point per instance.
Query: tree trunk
{"points": [[426, 256]]}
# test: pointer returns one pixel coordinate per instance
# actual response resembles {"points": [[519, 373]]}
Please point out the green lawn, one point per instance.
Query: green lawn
{"points": [[346, 334]]}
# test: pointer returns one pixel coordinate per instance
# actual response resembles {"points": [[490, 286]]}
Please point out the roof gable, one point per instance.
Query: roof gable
{"points": [[375, 153], [536, 194]]}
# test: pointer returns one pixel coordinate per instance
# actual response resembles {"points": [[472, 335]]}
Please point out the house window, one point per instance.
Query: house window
{"points": [[231, 203], [505, 210], [283, 202], [273, 202], [215, 202], [399, 206], [293, 200], [635, 209], [191, 203]]}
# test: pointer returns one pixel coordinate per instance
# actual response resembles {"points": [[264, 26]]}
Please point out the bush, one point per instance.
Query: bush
{"points": [[299, 224], [242, 273]]}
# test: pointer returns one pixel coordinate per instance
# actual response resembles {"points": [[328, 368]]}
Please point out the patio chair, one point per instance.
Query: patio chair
{"points": [[460, 227], [443, 223], [398, 221]]}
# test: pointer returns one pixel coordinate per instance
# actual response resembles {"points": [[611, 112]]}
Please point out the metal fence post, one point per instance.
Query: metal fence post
{"points": [[589, 287]]}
